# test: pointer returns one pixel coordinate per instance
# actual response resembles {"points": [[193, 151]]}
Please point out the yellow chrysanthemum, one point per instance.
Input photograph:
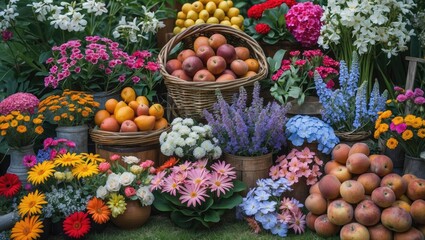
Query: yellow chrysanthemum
{"points": [[21, 129], [95, 158], [392, 143], [41, 172], [68, 159], [31, 204], [15, 113], [407, 135], [9, 117], [14, 123], [19, 117], [409, 119], [28, 228], [376, 134], [39, 130], [4, 126], [117, 204], [383, 127], [85, 169], [27, 118], [386, 114], [421, 133], [417, 122], [37, 121], [397, 120], [378, 122]]}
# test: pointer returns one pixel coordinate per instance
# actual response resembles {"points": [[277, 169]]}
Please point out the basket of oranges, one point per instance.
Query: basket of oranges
{"points": [[205, 58], [131, 121]]}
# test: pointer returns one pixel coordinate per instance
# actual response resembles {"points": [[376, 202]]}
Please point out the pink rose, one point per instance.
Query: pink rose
{"points": [[114, 157], [129, 191], [104, 166], [152, 170], [147, 164], [53, 154], [62, 151]]}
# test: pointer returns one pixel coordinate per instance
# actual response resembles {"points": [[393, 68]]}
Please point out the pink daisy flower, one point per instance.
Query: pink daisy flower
{"points": [[179, 176], [29, 161], [285, 217], [157, 181], [183, 167], [201, 163], [304, 170], [298, 222], [220, 183], [223, 168], [192, 194], [197, 176], [274, 172], [170, 186], [287, 205]]}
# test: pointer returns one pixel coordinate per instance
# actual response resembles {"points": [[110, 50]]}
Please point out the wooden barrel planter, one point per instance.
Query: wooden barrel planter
{"points": [[249, 169], [151, 152]]}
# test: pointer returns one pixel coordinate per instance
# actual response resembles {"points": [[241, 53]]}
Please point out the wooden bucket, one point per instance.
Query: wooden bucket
{"points": [[150, 152], [250, 169]]}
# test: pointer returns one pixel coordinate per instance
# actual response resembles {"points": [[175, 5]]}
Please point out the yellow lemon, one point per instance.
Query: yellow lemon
{"points": [[236, 27], [188, 22], [197, 6], [213, 20], [176, 30], [211, 7], [233, 12], [179, 22], [216, 1], [187, 7], [226, 18], [192, 15], [181, 15], [224, 6], [204, 1], [219, 14], [237, 20], [204, 15], [225, 22], [229, 3], [199, 21]]}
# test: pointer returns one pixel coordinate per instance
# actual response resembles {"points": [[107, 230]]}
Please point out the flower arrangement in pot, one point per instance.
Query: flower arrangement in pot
{"points": [[196, 193], [11, 191]]}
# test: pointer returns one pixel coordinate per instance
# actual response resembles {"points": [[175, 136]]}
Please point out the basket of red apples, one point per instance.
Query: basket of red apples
{"points": [[361, 198], [204, 58]]}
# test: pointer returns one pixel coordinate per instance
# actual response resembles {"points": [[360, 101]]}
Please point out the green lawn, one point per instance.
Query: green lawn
{"points": [[160, 227]]}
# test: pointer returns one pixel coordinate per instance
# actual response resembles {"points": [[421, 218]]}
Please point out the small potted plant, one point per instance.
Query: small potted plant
{"points": [[248, 135], [11, 190]]}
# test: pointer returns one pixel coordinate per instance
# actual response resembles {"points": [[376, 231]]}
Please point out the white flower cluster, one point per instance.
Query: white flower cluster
{"points": [[187, 139], [368, 23], [67, 16], [419, 24], [8, 14], [132, 30]]}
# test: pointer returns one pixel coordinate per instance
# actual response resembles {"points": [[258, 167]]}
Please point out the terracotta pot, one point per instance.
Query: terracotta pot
{"points": [[133, 217], [16, 166], [77, 134], [415, 165]]}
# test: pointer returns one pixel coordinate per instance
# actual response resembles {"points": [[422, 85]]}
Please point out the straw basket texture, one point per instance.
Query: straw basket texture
{"points": [[125, 138], [190, 98]]}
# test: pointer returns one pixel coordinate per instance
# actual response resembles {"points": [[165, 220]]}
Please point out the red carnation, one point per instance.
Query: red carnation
{"points": [[76, 225], [262, 28], [9, 185]]}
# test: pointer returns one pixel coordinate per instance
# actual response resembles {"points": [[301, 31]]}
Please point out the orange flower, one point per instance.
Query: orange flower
{"points": [[98, 209], [407, 135], [4, 126], [168, 164], [19, 117], [21, 129], [37, 121], [421, 133], [84, 113], [3, 132], [392, 143], [64, 115], [14, 123], [57, 118], [27, 118], [39, 130]]}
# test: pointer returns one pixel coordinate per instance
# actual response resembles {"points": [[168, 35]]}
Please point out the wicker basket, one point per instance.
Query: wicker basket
{"points": [[191, 98], [126, 138], [353, 136]]}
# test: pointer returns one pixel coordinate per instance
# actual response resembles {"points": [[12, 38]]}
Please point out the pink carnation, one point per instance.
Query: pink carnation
{"points": [[23, 102], [147, 164], [104, 166], [129, 191]]}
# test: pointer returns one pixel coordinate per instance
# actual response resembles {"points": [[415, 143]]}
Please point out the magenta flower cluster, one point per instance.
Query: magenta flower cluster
{"points": [[96, 59], [416, 96], [303, 21], [23, 102], [193, 183]]}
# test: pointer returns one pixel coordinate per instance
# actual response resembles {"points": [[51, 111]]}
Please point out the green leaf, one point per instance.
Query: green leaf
{"points": [[294, 92], [181, 220], [161, 203], [206, 206], [212, 216], [300, 100], [278, 57], [228, 203], [173, 200], [281, 21], [239, 186]]}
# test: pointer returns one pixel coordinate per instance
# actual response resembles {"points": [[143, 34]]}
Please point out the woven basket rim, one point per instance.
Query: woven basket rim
{"points": [[353, 136], [125, 138]]}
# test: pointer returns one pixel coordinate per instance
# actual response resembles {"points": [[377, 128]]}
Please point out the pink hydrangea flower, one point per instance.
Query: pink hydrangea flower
{"points": [[23, 102]]}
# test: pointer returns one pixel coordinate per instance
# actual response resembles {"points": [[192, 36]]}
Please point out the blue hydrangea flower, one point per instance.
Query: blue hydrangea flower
{"points": [[250, 207], [269, 221], [280, 229], [261, 195], [267, 206], [43, 155]]}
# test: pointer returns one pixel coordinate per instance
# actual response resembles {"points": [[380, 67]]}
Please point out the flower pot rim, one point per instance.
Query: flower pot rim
{"points": [[64, 128], [271, 153]]}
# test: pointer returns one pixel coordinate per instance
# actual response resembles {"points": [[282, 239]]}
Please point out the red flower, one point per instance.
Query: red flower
{"points": [[262, 28], [76, 225], [330, 84], [9, 185], [257, 10]]}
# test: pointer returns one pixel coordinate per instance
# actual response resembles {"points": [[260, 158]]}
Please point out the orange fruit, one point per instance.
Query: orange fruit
{"points": [[145, 123], [142, 99], [110, 105], [157, 111], [252, 65], [119, 105], [128, 94], [160, 124], [124, 113], [250, 74], [133, 104], [100, 116]]}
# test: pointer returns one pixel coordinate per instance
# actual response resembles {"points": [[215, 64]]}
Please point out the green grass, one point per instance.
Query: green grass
{"points": [[160, 227]]}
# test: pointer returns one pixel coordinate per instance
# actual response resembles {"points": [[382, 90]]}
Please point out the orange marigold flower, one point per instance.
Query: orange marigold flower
{"points": [[21, 129], [85, 113], [39, 130], [14, 123], [37, 121], [392, 143], [407, 135], [57, 118], [64, 115], [27, 118], [421, 133], [19, 117]]}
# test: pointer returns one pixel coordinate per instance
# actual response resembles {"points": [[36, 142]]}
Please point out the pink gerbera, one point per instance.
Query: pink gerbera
{"points": [[192, 194], [183, 167], [220, 183], [285, 217], [179, 176], [198, 176], [201, 163], [29, 161], [288, 204], [157, 181], [223, 168], [298, 222], [170, 186]]}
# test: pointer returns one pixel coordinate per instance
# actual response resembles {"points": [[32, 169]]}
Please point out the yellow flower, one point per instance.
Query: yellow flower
{"points": [[27, 118], [378, 122], [42, 109], [421, 133], [19, 117], [21, 129], [28, 228], [60, 176], [64, 103], [75, 97], [392, 143], [417, 122], [79, 110], [3, 132], [4, 126], [409, 119], [56, 118], [117, 204], [376, 134], [68, 159], [2, 118], [386, 114], [41, 172], [85, 169], [95, 158], [383, 127], [37, 121], [68, 176], [71, 105], [388, 101], [39, 130], [64, 115], [397, 120], [71, 109], [14, 123], [407, 135], [71, 118], [31, 203], [9, 117], [15, 113], [84, 113], [95, 104], [54, 108]]}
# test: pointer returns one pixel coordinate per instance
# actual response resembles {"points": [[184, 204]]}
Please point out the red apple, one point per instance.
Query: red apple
{"points": [[329, 186], [396, 183], [239, 67], [383, 197], [128, 126], [352, 191], [417, 210], [228, 71], [310, 218], [329, 166], [316, 204], [396, 219], [225, 78], [380, 232], [416, 189], [370, 182], [173, 65], [421, 228], [381, 165], [110, 124], [179, 73], [185, 54], [142, 109], [203, 75], [408, 177], [340, 212], [354, 231], [358, 163], [216, 40], [204, 52], [191, 65], [340, 153], [411, 234], [341, 173], [242, 53], [216, 65], [324, 227], [367, 213], [228, 52]]}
